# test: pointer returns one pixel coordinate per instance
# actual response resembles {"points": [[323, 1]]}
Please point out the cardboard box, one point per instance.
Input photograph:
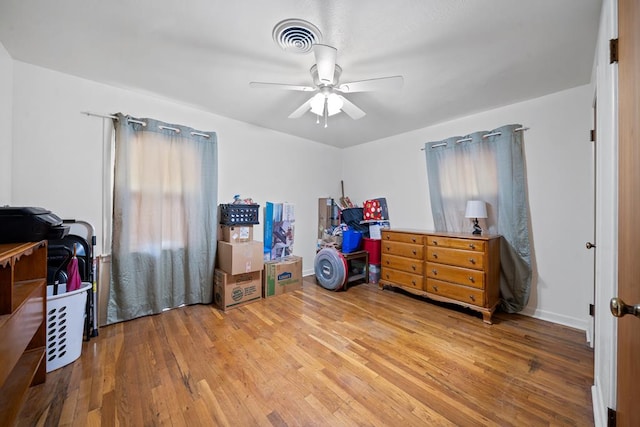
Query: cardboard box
{"points": [[327, 216], [235, 233], [237, 258], [283, 275], [231, 291]]}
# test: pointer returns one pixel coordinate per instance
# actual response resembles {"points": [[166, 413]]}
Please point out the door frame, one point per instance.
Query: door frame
{"points": [[605, 333]]}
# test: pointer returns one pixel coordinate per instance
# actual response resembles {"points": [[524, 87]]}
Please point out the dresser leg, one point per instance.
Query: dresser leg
{"points": [[486, 317]]}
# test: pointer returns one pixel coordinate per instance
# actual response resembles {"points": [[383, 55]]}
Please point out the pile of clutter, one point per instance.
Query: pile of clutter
{"points": [[349, 229]]}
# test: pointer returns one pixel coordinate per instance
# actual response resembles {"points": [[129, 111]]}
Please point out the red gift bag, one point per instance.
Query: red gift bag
{"points": [[372, 210]]}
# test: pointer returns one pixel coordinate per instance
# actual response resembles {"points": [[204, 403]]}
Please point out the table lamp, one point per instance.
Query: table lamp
{"points": [[476, 209]]}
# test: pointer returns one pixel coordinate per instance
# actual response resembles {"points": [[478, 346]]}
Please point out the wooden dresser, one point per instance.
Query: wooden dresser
{"points": [[23, 301], [458, 268]]}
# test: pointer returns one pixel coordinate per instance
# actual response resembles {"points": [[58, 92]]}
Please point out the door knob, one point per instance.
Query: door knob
{"points": [[619, 308], [590, 245]]}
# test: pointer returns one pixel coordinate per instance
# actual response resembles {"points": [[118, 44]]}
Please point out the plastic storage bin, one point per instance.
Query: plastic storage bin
{"points": [[231, 214], [351, 241], [65, 326], [373, 246], [374, 273]]}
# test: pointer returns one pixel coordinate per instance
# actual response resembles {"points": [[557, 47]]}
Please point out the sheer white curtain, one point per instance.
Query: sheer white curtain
{"points": [[463, 168], [486, 166], [164, 217]]}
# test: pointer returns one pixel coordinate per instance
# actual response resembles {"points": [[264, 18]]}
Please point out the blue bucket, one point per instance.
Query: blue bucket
{"points": [[351, 241]]}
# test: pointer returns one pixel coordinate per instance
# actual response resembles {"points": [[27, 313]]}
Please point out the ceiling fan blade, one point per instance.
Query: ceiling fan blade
{"points": [[261, 85], [301, 110], [350, 108], [326, 62], [383, 83]]}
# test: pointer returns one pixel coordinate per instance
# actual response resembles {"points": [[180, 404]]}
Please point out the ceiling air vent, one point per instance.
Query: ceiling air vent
{"points": [[296, 35]]}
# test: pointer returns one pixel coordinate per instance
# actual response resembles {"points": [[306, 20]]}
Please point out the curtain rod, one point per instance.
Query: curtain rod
{"points": [[444, 144], [109, 116]]}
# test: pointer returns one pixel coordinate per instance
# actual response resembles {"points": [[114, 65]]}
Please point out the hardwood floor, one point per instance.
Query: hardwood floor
{"points": [[320, 358]]}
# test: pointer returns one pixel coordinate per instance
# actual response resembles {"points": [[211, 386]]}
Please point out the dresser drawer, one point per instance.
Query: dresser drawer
{"points": [[416, 239], [457, 292], [456, 243], [403, 249], [410, 265], [462, 276], [402, 278], [467, 259]]}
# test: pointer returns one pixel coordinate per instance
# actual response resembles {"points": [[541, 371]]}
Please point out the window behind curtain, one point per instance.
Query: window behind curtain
{"points": [[462, 169], [166, 185]]}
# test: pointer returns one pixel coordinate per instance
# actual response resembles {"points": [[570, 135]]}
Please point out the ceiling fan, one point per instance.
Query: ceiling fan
{"points": [[326, 83]]}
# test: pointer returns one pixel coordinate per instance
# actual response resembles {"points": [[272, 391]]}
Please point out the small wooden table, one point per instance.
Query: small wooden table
{"points": [[357, 255]]}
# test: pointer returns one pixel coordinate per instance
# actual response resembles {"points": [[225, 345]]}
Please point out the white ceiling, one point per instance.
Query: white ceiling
{"points": [[457, 57]]}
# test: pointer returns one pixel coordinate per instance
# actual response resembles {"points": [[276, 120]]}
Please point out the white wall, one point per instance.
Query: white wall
{"points": [[605, 346], [6, 100], [57, 165], [559, 163], [57, 152]]}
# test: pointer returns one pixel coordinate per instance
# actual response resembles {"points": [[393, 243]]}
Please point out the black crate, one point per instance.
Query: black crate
{"points": [[239, 214]]}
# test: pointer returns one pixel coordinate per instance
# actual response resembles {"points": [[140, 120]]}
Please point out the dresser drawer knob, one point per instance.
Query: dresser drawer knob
{"points": [[472, 298], [435, 255], [472, 246], [413, 282], [472, 260], [414, 252], [435, 272], [435, 243], [471, 279], [413, 239], [435, 288], [413, 267], [388, 263]]}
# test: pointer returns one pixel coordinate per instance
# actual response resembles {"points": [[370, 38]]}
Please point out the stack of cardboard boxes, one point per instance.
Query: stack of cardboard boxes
{"points": [[238, 277], [238, 273]]}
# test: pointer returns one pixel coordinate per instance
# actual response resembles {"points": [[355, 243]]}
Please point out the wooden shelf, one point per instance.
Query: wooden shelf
{"points": [[23, 302], [17, 384], [20, 263], [22, 292], [361, 256]]}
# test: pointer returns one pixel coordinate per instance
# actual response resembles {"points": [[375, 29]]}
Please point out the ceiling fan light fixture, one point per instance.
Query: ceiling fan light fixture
{"points": [[333, 103]]}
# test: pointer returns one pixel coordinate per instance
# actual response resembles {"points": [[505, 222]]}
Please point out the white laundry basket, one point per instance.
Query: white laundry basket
{"points": [[65, 326]]}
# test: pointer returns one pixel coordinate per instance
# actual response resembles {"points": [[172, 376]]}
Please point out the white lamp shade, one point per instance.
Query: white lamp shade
{"points": [[333, 101], [334, 104], [317, 104], [476, 209]]}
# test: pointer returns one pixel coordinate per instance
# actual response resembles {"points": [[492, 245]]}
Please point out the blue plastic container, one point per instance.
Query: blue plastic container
{"points": [[351, 240]]}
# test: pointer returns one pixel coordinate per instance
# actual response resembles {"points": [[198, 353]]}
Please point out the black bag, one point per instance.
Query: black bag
{"points": [[352, 217]]}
